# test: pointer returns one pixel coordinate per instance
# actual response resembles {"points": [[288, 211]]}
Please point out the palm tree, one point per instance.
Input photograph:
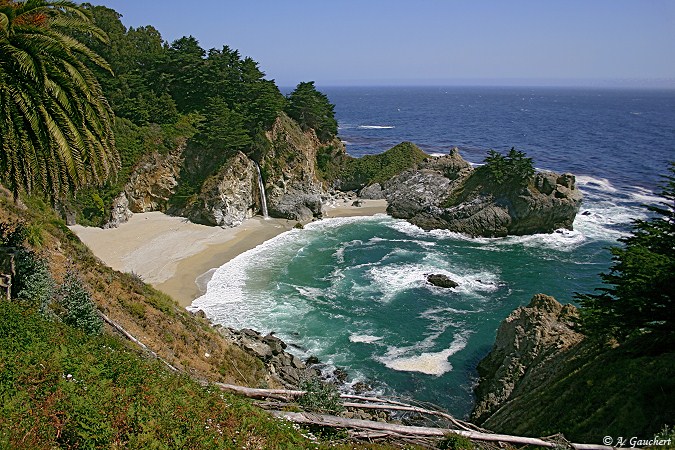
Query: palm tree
{"points": [[55, 124]]}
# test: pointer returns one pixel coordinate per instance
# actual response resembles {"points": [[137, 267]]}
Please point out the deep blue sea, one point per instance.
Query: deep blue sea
{"points": [[352, 291]]}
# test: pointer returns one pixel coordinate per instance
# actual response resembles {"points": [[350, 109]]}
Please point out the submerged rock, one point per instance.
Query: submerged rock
{"points": [[441, 280]]}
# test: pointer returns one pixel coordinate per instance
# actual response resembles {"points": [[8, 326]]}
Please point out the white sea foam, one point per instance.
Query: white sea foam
{"points": [[645, 196], [202, 280], [431, 363], [364, 338], [376, 127], [561, 240], [393, 279], [600, 184]]}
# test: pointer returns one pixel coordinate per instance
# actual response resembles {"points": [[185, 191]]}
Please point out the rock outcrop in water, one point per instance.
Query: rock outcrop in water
{"points": [[447, 193], [440, 280]]}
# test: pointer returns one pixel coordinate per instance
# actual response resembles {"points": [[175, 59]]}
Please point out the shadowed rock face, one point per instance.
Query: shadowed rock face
{"points": [[528, 343], [447, 193], [230, 197], [289, 172]]}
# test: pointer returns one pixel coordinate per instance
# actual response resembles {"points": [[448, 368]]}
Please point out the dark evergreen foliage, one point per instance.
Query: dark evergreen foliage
{"points": [[312, 109], [640, 286], [514, 168]]}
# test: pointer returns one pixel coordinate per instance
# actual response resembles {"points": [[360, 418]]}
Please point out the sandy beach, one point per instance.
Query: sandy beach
{"points": [[172, 253]]}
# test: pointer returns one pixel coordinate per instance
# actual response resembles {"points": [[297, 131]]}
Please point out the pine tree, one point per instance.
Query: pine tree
{"points": [[312, 109]]}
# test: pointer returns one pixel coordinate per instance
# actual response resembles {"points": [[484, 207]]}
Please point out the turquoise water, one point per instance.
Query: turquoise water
{"points": [[352, 291]]}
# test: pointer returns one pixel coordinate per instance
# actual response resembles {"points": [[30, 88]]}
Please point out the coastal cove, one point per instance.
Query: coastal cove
{"points": [[353, 291], [172, 253], [423, 237]]}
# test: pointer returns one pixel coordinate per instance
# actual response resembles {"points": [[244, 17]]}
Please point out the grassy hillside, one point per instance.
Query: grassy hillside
{"points": [[150, 315], [63, 388], [597, 391]]}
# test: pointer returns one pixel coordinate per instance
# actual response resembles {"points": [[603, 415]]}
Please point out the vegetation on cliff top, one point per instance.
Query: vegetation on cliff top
{"points": [[312, 110], [513, 169], [369, 169]]}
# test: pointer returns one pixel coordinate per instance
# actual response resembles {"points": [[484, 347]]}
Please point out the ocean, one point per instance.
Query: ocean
{"points": [[352, 291]]}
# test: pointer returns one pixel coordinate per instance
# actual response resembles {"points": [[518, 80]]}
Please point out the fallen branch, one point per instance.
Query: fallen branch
{"points": [[340, 422], [282, 394], [409, 408], [129, 336]]}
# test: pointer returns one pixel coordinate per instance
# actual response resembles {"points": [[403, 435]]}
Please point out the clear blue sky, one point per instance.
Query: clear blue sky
{"points": [[367, 42]]}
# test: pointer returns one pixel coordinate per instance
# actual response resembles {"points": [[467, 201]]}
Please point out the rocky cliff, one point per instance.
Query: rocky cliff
{"points": [[527, 343], [229, 192], [543, 378], [229, 197], [448, 193], [288, 167]]}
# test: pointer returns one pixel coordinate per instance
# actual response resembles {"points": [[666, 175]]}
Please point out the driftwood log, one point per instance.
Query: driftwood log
{"points": [[366, 429], [404, 430]]}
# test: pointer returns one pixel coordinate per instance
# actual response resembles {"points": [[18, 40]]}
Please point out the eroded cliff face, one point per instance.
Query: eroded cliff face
{"points": [[232, 194], [527, 345], [293, 188], [150, 186], [229, 197], [153, 181], [448, 193]]}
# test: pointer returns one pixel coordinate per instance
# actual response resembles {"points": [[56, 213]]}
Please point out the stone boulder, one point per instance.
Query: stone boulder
{"points": [[447, 193], [286, 368], [372, 192], [528, 342], [440, 280]]}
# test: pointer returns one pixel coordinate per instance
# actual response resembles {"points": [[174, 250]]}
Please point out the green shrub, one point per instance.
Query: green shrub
{"points": [[12, 234], [33, 282], [79, 310], [514, 168], [320, 396], [453, 441]]}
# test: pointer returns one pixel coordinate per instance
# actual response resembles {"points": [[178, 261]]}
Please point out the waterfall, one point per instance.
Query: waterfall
{"points": [[261, 186]]}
